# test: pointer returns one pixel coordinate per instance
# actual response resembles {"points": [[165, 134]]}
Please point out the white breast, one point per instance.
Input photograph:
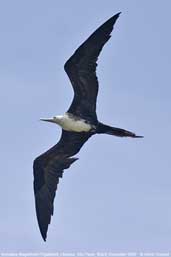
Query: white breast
{"points": [[70, 124]]}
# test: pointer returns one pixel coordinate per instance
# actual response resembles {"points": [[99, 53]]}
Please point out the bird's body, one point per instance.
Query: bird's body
{"points": [[73, 123], [70, 122], [78, 124]]}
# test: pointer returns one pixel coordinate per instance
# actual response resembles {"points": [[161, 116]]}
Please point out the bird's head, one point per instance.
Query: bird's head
{"points": [[55, 119]]}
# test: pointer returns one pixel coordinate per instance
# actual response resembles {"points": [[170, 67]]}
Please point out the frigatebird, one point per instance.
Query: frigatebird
{"points": [[78, 124]]}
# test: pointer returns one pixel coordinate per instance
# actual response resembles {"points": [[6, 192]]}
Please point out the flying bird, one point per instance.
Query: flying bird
{"points": [[78, 124]]}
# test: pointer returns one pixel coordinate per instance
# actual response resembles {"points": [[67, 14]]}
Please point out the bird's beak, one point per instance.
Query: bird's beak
{"points": [[48, 120]]}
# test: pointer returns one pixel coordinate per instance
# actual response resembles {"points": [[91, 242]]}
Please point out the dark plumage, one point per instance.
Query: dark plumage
{"points": [[49, 167], [81, 69]]}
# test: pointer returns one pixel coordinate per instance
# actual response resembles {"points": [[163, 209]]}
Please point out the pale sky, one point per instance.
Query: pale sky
{"points": [[117, 197]]}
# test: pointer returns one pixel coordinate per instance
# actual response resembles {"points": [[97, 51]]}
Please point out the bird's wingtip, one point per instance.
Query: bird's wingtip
{"points": [[44, 236], [117, 15]]}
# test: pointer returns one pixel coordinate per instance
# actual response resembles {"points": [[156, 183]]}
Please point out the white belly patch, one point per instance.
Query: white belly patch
{"points": [[77, 125]]}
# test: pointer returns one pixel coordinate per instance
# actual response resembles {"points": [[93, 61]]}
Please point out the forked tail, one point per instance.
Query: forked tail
{"points": [[105, 129]]}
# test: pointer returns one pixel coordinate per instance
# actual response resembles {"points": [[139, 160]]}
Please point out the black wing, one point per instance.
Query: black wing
{"points": [[81, 69], [48, 168]]}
